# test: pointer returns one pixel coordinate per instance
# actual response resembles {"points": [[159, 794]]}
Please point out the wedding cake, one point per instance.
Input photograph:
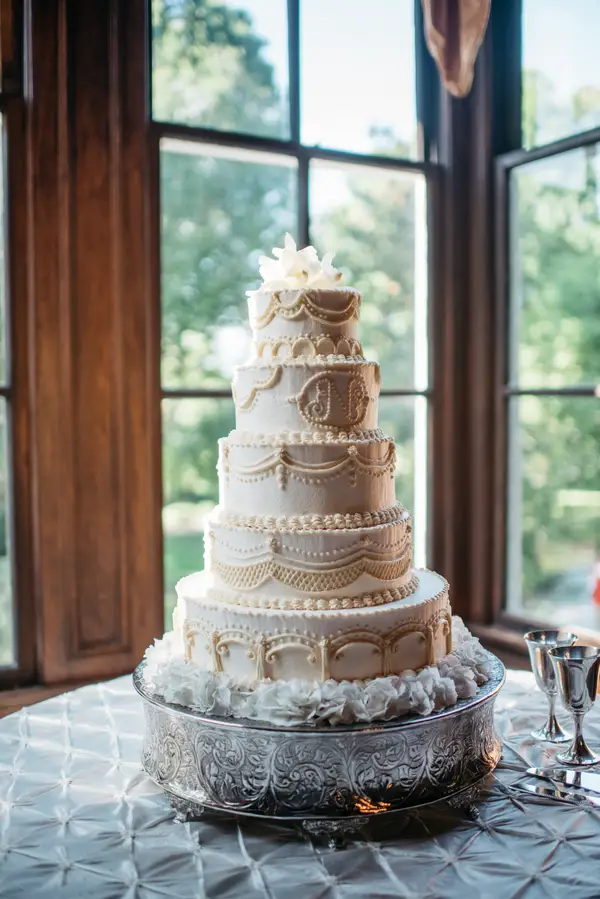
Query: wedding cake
{"points": [[309, 607]]}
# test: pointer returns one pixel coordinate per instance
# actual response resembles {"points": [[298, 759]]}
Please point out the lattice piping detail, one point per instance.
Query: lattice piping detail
{"points": [[249, 577]]}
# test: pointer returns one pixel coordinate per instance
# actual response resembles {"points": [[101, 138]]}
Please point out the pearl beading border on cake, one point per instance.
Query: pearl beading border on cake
{"points": [[314, 603], [252, 438], [338, 522], [347, 553]]}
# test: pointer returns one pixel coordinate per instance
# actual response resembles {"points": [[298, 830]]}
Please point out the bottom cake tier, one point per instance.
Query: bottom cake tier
{"points": [[254, 644]]}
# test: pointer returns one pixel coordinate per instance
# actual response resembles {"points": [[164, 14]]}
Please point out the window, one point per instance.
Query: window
{"points": [[266, 125], [551, 224], [132, 221], [561, 81]]}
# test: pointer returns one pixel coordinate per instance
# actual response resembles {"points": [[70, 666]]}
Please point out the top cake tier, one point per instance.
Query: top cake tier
{"points": [[313, 321]]}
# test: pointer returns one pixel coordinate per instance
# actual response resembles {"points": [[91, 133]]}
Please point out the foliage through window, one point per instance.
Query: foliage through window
{"points": [[561, 77], [553, 415], [221, 65]]}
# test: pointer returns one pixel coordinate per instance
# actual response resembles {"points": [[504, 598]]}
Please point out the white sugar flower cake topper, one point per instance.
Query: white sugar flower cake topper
{"points": [[293, 268]]}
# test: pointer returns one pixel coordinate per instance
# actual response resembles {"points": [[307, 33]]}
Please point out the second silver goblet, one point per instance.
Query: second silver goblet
{"points": [[576, 669], [539, 643]]}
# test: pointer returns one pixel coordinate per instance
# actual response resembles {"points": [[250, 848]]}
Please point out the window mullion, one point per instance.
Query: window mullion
{"points": [[294, 81], [426, 88], [303, 200], [293, 7]]}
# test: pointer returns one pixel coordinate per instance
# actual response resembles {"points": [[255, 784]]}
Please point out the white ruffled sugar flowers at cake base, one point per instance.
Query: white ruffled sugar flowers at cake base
{"points": [[291, 702]]}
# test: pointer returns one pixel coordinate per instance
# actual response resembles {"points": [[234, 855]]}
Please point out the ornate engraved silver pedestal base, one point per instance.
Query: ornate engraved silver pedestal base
{"points": [[329, 778]]}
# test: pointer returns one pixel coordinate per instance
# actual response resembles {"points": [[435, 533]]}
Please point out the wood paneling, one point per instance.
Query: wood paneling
{"points": [[98, 578]]}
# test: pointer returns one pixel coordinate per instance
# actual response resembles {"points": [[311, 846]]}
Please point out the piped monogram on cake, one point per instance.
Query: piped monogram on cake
{"points": [[334, 401]]}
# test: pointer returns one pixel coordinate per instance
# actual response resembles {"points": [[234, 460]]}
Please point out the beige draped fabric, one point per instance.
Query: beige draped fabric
{"points": [[454, 30]]}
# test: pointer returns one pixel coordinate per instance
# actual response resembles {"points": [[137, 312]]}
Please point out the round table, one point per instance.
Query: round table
{"points": [[80, 820]]}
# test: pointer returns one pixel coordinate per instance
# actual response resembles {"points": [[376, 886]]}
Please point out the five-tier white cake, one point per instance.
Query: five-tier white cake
{"points": [[308, 574]]}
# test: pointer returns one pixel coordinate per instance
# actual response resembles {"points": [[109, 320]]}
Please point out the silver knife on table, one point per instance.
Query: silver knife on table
{"points": [[583, 780], [561, 795]]}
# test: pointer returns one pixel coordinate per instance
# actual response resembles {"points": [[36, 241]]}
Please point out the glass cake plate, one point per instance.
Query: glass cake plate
{"points": [[330, 778]]}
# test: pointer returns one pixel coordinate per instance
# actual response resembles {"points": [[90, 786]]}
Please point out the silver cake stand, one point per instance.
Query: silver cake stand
{"points": [[331, 779]]}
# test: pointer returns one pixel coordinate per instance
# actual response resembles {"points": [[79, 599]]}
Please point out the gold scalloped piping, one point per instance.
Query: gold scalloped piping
{"points": [[306, 306], [249, 577], [263, 385], [307, 346], [284, 466]]}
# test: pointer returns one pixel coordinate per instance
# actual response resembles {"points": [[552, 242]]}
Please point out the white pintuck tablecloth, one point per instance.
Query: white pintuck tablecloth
{"points": [[79, 820]]}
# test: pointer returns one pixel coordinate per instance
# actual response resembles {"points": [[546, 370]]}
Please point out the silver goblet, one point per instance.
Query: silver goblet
{"points": [[538, 644], [576, 669]]}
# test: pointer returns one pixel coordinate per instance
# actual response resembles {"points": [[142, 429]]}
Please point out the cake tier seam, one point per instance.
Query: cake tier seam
{"points": [[239, 437], [367, 601], [308, 523]]}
